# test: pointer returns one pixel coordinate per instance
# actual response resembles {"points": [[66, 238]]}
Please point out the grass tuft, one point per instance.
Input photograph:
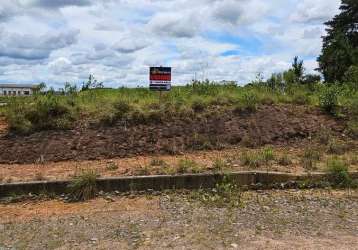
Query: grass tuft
{"points": [[84, 186]]}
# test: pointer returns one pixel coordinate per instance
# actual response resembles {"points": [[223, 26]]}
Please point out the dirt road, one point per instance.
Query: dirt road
{"points": [[320, 219]]}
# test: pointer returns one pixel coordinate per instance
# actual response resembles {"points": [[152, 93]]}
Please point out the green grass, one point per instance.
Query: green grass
{"points": [[141, 106], [84, 186], [188, 166], [338, 173]]}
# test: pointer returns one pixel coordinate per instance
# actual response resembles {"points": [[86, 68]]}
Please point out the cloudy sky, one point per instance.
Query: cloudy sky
{"points": [[55, 41]]}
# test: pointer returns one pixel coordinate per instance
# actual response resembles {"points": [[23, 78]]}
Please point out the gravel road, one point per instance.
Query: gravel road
{"points": [[293, 219]]}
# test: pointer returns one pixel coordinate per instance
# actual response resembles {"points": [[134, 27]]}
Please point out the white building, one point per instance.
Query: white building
{"points": [[17, 89]]}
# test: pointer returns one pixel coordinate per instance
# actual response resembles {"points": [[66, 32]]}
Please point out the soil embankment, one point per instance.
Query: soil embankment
{"points": [[280, 124]]}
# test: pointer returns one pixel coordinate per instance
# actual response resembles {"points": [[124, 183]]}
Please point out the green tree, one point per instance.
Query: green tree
{"points": [[340, 45], [298, 69], [92, 83]]}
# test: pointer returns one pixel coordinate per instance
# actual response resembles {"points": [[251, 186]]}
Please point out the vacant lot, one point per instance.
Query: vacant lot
{"points": [[320, 219]]}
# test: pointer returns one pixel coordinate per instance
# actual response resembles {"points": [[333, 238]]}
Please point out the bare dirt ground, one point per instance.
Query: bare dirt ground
{"points": [[141, 165], [275, 125], [310, 219]]}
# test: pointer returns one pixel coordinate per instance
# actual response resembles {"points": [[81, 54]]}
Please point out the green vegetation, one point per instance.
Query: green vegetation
{"points": [[188, 166], [141, 106], [340, 45], [338, 173], [220, 165], [255, 159], [225, 194], [111, 166], [156, 162], [310, 158], [84, 186]]}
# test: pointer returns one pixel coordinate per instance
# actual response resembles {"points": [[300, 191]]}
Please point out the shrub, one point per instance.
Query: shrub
{"points": [[46, 113], [338, 173], [328, 99], [84, 186]]}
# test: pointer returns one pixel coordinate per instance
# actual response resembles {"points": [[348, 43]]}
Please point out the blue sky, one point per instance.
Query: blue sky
{"points": [[57, 41]]}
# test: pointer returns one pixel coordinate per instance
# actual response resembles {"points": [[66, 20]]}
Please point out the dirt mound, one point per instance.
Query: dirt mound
{"points": [[268, 125]]}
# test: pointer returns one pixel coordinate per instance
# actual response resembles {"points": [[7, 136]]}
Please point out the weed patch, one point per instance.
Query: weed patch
{"points": [[84, 186], [188, 166], [225, 194], [338, 173]]}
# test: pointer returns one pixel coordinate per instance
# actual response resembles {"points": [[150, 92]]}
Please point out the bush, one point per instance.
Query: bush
{"points": [[338, 173], [328, 99], [84, 186], [46, 113]]}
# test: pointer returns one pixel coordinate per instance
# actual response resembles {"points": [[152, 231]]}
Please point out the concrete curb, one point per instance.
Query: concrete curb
{"points": [[163, 182]]}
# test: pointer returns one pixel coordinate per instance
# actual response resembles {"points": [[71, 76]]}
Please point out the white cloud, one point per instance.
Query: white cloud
{"points": [[317, 11], [117, 40]]}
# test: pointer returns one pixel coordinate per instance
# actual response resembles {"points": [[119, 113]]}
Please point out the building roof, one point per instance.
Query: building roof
{"points": [[14, 85]]}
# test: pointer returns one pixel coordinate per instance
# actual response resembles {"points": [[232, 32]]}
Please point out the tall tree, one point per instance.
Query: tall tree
{"points": [[298, 69], [340, 45]]}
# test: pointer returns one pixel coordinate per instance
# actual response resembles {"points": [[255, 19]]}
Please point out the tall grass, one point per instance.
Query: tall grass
{"points": [[140, 105]]}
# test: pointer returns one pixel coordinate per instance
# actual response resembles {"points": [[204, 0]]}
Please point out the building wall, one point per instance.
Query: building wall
{"points": [[15, 91]]}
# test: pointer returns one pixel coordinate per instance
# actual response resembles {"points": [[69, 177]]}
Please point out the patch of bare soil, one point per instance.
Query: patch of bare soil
{"points": [[310, 219], [142, 165], [276, 125]]}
